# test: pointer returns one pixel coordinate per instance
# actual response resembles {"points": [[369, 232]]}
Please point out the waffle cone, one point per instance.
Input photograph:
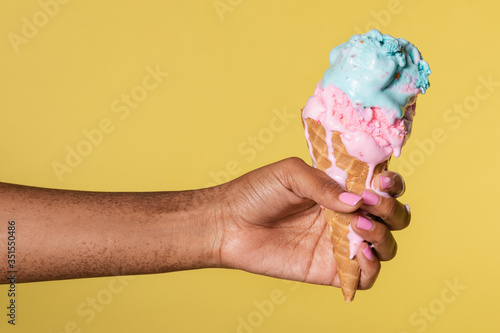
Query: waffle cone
{"points": [[357, 171]]}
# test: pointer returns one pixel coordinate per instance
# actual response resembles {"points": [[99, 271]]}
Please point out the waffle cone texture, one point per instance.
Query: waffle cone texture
{"points": [[357, 173]]}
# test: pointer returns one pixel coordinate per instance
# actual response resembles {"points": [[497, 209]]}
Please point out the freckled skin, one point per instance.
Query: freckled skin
{"points": [[71, 234]]}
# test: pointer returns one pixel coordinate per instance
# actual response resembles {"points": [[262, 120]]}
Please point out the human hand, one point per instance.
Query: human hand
{"points": [[273, 223]]}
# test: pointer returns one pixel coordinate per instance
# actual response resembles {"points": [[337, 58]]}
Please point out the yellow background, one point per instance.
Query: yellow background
{"points": [[228, 75]]}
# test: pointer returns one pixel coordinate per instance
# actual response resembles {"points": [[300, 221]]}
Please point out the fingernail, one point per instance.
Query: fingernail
{"points": [[367, 252], [364, 223], [369, 198], [385, 182], [350, 199], [407, 207]]}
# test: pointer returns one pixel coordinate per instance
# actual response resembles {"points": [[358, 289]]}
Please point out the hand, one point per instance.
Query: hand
{"points": [[273, 223]]}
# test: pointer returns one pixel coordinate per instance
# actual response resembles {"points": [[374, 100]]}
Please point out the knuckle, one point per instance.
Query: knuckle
{"points": [[291, 167], [294, 162], [370, 275], [327, 189], [384, 236], [288, 166], [388, 209], [387, 246]]}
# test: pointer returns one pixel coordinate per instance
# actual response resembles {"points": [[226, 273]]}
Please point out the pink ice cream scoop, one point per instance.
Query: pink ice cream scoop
{"points": [[368, 95]]}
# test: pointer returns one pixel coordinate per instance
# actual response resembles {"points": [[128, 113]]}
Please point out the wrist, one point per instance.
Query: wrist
{"points": [[213, 217], [200, 216]]}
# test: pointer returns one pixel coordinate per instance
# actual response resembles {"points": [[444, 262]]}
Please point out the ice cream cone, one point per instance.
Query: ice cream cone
{"points": [[360, 114], [357, 173]]}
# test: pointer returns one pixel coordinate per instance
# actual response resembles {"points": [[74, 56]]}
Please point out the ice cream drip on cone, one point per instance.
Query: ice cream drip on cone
{"points": [[356, 174], [361, 114]]}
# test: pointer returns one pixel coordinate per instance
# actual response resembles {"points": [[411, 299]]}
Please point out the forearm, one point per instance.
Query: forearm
{"points": [[74, 234]]}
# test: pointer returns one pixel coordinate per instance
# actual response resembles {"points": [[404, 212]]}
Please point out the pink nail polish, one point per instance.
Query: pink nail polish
{"points": [[364, 223], [350, 199], [385, 182], [367, 252], [369, 198]]}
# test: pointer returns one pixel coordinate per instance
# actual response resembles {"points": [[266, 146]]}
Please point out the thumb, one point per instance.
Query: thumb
{"points": [[310, 183]]}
